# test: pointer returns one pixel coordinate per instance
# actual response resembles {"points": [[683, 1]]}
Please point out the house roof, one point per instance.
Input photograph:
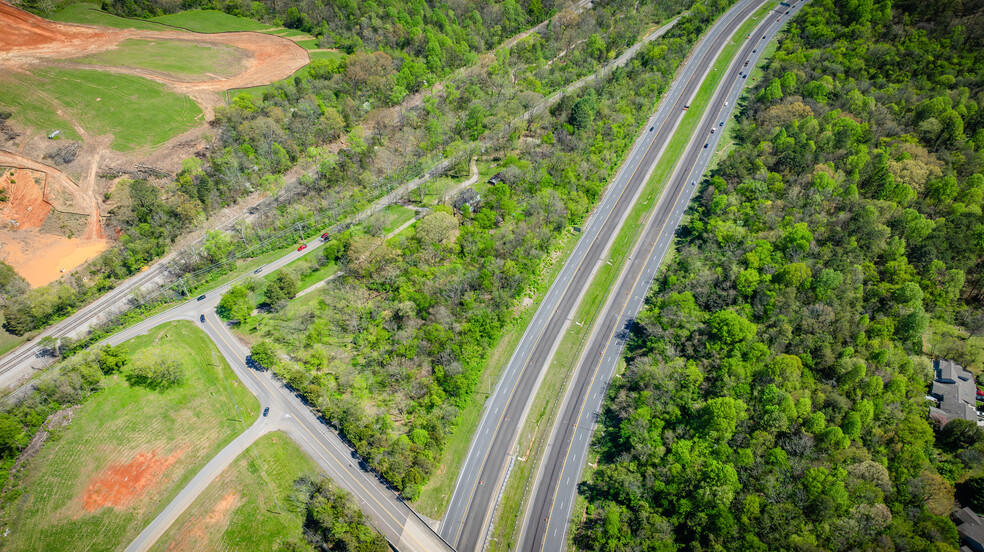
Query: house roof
{"points": [[955, 388]]}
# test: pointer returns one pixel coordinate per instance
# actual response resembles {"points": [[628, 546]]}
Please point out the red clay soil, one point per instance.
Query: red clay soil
{"points": [[121, 485], [26, 207], [26, 39]]}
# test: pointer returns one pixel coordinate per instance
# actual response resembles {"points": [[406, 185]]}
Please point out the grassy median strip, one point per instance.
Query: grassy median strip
{"points": [[544, 409]]}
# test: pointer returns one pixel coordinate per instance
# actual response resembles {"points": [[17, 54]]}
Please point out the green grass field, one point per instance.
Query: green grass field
{"points": [[138, 112], [210, 21], [247, 507], [129, 450], [177, 58], [90, 14]]}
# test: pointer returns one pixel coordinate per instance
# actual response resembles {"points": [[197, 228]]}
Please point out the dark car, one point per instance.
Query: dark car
{"points": [[651, 129], [257, 271], [266, 412], [763, 37], [693, 182], [686, 107], [203, 319], [200, 297], [302, 248], [744, 76], [721, 123], [705, 144], [754, 51]]}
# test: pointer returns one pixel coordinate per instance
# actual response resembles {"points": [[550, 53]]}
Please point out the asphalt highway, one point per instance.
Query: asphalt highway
{"points": [[545, 526], [467, 520], [388, 513]]}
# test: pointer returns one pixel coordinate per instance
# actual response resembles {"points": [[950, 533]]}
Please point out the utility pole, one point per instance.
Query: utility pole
{"points": [[183, 284]]}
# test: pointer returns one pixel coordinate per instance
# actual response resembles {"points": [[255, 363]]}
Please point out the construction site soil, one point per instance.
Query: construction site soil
{"points": [[121, 485], [75, 187]]}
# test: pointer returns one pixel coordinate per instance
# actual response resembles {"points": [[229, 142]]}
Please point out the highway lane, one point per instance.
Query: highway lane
{"points": [[546, 523], [466, 522], [388, 513]]}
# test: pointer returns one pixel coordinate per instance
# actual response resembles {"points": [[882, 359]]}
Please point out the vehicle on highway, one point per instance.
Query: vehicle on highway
{"points": [[302, 248], [324, 236], [686, 107], [266, 412], [721, 123], [754, 51], [705, 144], [200, 297], [257, 271], [763, 37], [693, 182], [203, 319], [746, 63], [712, 131], [651, 129]]}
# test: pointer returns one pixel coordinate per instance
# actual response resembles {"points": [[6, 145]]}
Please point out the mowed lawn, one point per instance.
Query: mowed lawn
{"points": [[129, 450], [91, 14], [247, 507], [138, 112], [210, 21], [179, 59]]}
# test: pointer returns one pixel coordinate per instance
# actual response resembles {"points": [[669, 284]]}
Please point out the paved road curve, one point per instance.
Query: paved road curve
{"points": [[390, 515], [466, 522], [546, 524]]}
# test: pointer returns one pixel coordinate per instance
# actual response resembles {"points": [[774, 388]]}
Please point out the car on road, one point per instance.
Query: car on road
{"points": [[754, 51], [721, 123], [712, 131], [201, 297], [302, 248], [686, 107], [651, 129], [705, 144], [203, 319], [266, 412], [763, 37], [324, 236], [257, 271], [693, 182]]}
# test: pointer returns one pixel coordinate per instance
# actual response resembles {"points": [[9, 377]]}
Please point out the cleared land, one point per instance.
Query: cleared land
{"points": [[247, 508], [130, 449], [90, 14], [210, 21], [179, 59], [137, 112]]}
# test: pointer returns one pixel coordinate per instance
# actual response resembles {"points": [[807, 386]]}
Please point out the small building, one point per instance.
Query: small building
{"points": [[468, 197], [496, 178], [970, 526], [955, 389], [53, 134]]}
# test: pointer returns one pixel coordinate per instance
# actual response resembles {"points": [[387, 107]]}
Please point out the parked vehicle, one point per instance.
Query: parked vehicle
{"points": [[302, 248]]}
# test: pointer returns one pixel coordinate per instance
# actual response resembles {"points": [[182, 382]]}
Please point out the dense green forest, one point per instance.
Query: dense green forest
{"points": [[773, 397], [364, 108], [391, 351]]}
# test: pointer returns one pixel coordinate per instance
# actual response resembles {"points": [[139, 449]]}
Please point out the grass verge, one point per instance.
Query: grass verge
{"points": [[247, 507], [544, 408], [129, 449]]}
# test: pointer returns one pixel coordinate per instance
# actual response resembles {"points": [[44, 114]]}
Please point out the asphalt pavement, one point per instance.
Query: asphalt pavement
{"points": [[387, 512], [546, 523], [467, 520]]}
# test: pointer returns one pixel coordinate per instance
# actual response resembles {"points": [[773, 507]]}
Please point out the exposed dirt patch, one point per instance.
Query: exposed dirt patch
{"points": [[25, 207], [215, 521], [123, 484]]}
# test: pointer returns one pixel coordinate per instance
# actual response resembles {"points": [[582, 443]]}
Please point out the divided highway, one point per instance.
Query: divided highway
{"points": [[467, 520], [545, 526]]}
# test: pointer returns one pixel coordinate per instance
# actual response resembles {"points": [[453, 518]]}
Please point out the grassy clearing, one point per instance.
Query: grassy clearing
{"points": [[309, 44], [90, 14], [210, 21], [138, 112], [178, 58], [312, 278], [172, 433], [247, 507], [396, 216], [544, 408]]}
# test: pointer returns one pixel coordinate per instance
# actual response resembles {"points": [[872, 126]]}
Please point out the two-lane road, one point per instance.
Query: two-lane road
{"points": [[466, 522], [545, 526], [388, 513]]}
